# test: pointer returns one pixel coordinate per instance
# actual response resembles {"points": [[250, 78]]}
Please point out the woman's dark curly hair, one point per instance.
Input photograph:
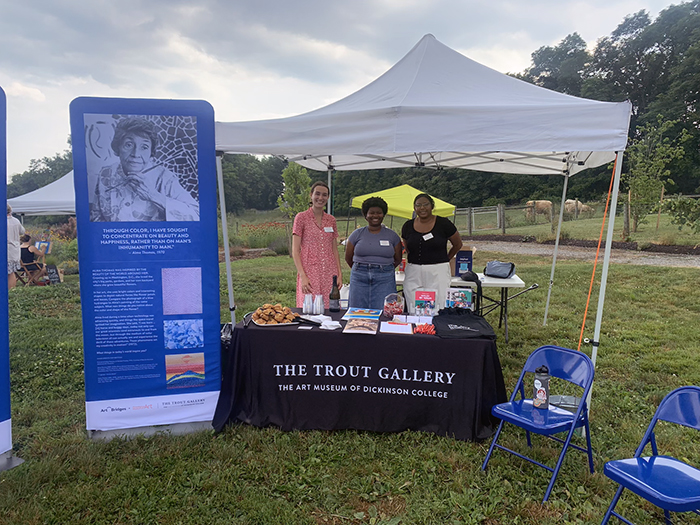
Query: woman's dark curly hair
{"points": [[25, 238], [136, 126], [374, 202]]}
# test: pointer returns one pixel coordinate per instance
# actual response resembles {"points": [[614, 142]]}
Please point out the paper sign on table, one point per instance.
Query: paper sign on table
{"points": [[395, 327]]}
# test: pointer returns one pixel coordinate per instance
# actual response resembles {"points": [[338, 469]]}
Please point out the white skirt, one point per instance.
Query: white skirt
{"points": [[434, 277]]}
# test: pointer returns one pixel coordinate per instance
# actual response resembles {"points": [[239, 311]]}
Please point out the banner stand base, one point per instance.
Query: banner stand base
{"points": [[8, 461], [175, 429]]}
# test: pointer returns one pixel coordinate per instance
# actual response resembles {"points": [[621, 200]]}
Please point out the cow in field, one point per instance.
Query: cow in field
{"points": [[576, 208], [535, 208]]}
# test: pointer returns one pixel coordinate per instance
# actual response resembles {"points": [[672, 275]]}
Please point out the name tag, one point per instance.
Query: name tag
{"points": [[328, 229], [427, 236], [384, 243]]}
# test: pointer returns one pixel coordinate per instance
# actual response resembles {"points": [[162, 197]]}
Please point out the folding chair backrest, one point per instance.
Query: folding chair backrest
{"points": [[563, 363], [682, 406]]}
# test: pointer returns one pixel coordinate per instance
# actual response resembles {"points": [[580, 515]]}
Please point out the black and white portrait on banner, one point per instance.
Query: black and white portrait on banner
{"points": [[142, 167]]}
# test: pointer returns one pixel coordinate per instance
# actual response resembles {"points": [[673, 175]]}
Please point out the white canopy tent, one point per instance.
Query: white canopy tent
{"points": [[56, 198], [437, 108]]}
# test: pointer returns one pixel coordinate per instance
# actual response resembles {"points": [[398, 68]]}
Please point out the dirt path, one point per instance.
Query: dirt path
{"points": [[588, 254]]}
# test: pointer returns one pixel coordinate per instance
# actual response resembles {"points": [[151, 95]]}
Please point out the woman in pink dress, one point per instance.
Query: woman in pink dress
{"points": [[315, 248]]}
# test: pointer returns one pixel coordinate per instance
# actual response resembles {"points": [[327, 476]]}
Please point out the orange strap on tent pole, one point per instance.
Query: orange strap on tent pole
{"points": [[597, 254]]}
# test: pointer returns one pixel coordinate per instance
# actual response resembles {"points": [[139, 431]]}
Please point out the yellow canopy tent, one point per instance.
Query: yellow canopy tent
{"points": [[400, 201]]}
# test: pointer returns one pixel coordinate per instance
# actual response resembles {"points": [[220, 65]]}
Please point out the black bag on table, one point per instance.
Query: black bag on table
{"points": [[461, 323], [501, 270]]}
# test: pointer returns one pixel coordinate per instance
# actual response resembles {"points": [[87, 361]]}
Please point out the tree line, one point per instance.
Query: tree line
{"points": [[653, 63]]}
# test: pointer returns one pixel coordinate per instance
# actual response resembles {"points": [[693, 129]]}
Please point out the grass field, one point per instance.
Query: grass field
{"points": [[247, 475]]}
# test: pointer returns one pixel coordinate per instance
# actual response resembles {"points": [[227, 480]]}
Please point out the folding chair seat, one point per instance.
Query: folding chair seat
{"points": [[665, 481], [30, 276], [570, 365]]}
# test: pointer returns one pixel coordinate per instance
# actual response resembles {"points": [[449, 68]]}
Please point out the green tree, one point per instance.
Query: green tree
{"points": [[297, 186], [250, 182], [648, 158], [40, 173], [271, 183], [560, 68], [684, 211]]}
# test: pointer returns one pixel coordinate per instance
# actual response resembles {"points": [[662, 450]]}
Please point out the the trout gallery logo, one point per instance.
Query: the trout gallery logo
{"points": [[425, 383]]}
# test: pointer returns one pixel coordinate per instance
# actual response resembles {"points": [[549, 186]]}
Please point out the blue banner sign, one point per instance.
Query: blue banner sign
{"points": [[145, 187], [5, 413]]}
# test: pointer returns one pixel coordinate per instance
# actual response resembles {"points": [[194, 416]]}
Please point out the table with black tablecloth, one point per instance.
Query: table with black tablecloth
{"points": [[319, 379]]}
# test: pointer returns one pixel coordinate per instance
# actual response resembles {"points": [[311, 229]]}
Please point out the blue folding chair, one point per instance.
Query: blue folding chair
{"points": [[665, 481], [563, 363]]}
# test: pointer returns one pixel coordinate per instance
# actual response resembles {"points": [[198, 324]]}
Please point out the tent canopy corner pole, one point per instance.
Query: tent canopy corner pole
{"points": [[606, 258], [330, 177], [556, 246], [224, 232], [606, 264]]}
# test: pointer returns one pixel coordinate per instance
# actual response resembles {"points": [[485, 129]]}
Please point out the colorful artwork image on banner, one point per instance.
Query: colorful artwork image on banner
{"points": [[145, 183]]}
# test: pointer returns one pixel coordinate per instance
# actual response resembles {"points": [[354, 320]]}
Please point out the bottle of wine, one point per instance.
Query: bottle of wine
{"points": [[334, 305]]}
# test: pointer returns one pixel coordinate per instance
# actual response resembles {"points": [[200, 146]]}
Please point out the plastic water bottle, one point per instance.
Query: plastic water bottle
{"points": [[540, 393]]}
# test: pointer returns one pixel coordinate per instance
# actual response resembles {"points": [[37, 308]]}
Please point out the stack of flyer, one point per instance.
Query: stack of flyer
{"points": [[361, 321], [396, 327]]}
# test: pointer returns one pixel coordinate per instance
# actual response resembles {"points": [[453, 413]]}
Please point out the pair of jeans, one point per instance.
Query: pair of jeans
{"points": [[370, 284]]}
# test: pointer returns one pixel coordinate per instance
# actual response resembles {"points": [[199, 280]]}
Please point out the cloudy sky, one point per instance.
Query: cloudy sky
{"points": [[252, 59]]}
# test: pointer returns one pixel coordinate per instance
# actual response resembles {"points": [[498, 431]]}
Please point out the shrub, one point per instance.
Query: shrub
{"points": [[668, 239], [264, 234], [69, 267], [280, 246]]}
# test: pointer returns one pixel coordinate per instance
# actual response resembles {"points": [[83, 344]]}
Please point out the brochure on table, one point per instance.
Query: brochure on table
{"points": [[360, 325], [5, 412], [361, 313], [425, 302], [149, 271], [460, 298]]}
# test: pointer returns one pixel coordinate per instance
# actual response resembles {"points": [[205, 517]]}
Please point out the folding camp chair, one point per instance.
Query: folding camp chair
{"points": [[563, 363], [21, 276], [665, 481], [30, 277]]}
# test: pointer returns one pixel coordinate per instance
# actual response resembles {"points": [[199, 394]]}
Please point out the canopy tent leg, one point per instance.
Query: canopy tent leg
{"points": [[224, 231], [606, 263], [330, 178], [556, 246]]}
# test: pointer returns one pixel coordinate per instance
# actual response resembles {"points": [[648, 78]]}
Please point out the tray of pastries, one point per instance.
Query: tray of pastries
{"points": [[274, 315]]}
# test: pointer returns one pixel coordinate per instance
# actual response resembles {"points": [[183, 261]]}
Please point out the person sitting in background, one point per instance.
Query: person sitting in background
{"points": [[30, 255], [14, 230], [373, 252]]}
